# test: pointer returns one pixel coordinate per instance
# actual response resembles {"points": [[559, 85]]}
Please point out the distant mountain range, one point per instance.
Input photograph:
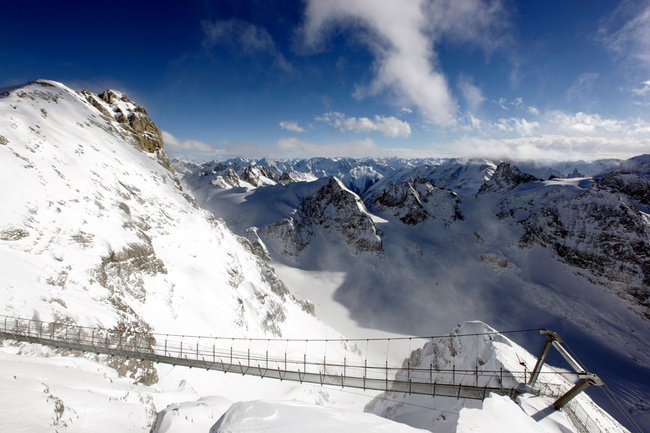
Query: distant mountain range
{"points": [[424, 243]]}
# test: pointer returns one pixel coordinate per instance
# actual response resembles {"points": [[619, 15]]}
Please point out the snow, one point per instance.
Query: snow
{"points": [[289, 417], [95, 232], [500, 414]]}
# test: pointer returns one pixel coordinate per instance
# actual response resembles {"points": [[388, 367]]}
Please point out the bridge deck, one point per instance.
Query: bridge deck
{"points": [[471, 384]]}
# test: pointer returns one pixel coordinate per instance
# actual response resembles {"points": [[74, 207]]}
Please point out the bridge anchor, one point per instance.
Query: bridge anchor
{"points": [[586, 379]]}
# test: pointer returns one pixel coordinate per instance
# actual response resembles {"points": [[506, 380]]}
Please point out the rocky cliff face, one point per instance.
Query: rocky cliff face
{"points": [[593, 226], [133, 118], [335, 209], [414, 201], [506, 177], [602, 235]]}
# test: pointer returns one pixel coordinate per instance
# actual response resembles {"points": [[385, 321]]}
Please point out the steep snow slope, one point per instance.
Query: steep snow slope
{"points": [[96, 230]]}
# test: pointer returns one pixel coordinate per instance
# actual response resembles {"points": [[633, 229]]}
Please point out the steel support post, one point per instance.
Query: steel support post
{"points": [[577, 389], [550, 338]]}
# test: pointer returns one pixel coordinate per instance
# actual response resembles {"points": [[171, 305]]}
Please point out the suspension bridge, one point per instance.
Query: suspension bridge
{"points": [[339, 363]]}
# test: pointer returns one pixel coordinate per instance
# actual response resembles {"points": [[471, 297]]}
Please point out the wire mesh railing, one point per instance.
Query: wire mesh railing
{"points": [[331, 362]]}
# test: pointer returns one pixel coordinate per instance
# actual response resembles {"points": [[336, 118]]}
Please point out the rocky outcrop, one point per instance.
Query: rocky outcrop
{"points": [[133, 118], [603, 235], [414, 201], [335, 209], [505, 178], [258, 176], [633, 185], [232, 175]]}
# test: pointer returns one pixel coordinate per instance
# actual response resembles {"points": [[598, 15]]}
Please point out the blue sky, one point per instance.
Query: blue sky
{"points": [[412, 78]]}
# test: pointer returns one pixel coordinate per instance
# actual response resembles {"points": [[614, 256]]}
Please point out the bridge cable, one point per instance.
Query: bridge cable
{"points": [[609, 394]]}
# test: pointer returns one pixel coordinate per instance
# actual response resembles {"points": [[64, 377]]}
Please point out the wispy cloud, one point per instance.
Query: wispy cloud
{"points": [[388, 126], [243, 38], [630, 40], [515, 104], [472, 94], [292, 147], [402, 37], [189, 147], [582, 87], [644, 90], [291, 126]]}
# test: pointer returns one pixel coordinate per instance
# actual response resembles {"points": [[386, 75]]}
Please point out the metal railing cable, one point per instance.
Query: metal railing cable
{"points": [[320, 361], [334, 362]]}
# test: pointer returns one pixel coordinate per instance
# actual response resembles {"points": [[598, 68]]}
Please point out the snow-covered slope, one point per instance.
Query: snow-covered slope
{"points": [[96, 230]]}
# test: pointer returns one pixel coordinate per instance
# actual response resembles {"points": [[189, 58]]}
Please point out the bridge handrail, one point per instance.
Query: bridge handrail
{"points": [[202, 352]]}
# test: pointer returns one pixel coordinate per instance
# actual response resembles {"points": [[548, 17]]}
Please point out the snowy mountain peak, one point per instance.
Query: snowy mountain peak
{"points": [[506, 177], [335, 209], [102, 234], [413, 201]]}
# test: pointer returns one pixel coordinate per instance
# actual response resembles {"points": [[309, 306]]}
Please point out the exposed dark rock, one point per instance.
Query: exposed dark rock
{"points": [[600, 232], [414, 201], [132, 117], [631, 184], [334, 208], [505, 178]]}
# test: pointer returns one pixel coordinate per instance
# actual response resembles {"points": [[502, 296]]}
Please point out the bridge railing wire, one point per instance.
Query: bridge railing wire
{"points": [[335, 358]]}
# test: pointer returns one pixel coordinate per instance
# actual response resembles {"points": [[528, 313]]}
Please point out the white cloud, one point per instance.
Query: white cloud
{"points": [[553, 135], [406, 110], [642, 92], [520, 126], [174, 145], [291, 126], [292, 147], [402, 37], [243, 38], [472, 94], [517, 103], [533, 110], [388, 126], [585, 123], [548, 146]]}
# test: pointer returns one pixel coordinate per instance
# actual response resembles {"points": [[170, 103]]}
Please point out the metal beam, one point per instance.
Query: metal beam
{"points": [[551, 337], [577, 389]]}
